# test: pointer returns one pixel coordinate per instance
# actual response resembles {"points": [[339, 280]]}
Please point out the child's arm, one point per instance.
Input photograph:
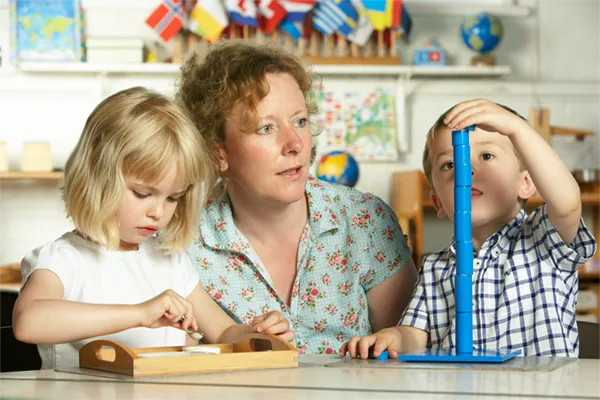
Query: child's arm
{"points": [[218, 327], [396, 340], [41, 316], [550, 175]]}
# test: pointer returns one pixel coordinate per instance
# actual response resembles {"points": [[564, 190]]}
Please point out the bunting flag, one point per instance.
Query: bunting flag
{"points": [[271, 14], [376, 10], [392, 13], [242, 12], [167, 19], [364, 29], [208, 19], [335, 16], [405, 22], [297, 12]]}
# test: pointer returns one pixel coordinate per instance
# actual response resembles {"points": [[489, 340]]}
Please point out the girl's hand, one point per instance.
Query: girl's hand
{"points": [[388, 339], [168, 309]]}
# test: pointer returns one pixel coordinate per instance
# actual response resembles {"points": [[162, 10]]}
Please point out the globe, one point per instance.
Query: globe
{"points": [[338, 167], [482, 33]]}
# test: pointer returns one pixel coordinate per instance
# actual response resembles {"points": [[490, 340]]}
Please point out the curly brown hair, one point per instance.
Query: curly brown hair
{"points": [[234, 72]]}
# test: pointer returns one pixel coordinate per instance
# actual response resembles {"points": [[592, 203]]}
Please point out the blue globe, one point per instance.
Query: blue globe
{"points": [[482, 33], [338, 167]]}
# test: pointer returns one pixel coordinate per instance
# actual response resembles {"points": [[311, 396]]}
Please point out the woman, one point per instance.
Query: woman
{"points": [[333, 260]]}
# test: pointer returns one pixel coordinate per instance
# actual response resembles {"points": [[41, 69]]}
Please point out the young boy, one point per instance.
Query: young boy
{"points": [[525, 266]]}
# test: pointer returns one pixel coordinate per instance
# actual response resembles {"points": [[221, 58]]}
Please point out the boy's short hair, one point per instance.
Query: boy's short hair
{"points": [[135, 132], [430, 137]]}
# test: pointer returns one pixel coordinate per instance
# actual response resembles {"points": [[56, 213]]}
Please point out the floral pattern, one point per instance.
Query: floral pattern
{"points": [[352, 242]]}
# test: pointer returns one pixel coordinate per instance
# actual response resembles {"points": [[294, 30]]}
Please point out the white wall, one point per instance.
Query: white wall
{"points": [[554, 54]]}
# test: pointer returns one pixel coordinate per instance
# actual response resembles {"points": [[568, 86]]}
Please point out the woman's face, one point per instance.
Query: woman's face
{"points": [[270, 164]]}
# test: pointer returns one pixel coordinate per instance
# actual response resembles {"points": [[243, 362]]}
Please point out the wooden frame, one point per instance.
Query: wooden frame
{"points": [[252, 351]]}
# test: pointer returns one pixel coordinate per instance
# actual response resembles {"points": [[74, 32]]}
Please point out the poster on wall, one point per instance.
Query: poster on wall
{"points": [[364, 119]]}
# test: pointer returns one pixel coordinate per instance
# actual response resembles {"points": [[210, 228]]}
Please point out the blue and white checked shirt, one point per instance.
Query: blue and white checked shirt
{"points": [[525, 289]]}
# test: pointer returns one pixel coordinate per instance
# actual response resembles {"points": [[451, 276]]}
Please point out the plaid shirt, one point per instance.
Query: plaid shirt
{"points": [[524, 290]]}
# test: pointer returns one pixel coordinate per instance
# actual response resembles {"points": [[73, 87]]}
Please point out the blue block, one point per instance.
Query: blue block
{"points": [[464, 247], [460, 138], [383, 356], [464, 331], [463, 175], [462, 198], [462, 154], [463, 222], [452, 356], [464, 285]]}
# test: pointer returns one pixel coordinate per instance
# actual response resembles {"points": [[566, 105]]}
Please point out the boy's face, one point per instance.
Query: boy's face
{"points": [[498, 184]]}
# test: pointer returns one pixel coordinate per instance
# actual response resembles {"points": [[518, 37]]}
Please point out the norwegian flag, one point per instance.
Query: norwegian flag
{"points": [[271, 14], [167, 19], [242, 12]]}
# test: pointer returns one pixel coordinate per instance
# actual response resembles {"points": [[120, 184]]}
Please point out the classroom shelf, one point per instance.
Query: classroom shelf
{"points": [[17, 175], [324, 69], [419, 8]]}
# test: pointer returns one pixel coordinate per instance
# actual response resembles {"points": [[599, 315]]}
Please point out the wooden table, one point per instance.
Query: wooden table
{"points": [[315, 381]]}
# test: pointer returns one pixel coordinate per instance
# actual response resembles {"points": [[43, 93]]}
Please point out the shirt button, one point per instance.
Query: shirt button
{"points": [[476, 263], [496, 252]]}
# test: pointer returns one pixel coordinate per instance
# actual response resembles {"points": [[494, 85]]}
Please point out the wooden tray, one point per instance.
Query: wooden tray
{"points": [[252, 351]]}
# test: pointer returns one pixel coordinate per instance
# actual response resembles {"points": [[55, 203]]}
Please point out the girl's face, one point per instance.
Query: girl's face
{"points": [[270, 165], [148, 207]]}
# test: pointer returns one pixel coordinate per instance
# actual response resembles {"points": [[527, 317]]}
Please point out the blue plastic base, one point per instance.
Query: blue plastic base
{"points": [[445, 355]]}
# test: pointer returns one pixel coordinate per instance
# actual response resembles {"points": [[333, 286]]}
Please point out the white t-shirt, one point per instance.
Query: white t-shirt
{"points": [[92, 274]]}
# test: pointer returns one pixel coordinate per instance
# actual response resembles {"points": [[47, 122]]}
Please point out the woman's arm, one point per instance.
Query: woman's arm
{"points": [[388, 299]]}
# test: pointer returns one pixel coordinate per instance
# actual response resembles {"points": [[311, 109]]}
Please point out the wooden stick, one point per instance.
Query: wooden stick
{"points": [[380, 44], [314, 44], [354, 49], [342, 46], [393, 37], [328, 46], [369, 47]]}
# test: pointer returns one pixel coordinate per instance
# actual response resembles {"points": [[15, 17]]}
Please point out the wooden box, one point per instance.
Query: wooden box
{"points": [[253, 351]]}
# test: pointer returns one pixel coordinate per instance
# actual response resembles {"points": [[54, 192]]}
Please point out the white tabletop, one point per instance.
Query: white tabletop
{"points": [[580, 379]]}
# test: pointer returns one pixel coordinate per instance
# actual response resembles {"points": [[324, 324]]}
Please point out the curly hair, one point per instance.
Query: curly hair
{"points": [[135, 132], [234, 72]]}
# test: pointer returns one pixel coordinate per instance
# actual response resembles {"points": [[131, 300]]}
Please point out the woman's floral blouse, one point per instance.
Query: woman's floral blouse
{"points": [[351, 243]]}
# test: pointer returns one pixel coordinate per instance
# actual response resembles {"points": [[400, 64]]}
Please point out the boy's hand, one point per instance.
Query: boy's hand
{"points": [[168, 309], [273, 323], [486, 115], [386, 339]]}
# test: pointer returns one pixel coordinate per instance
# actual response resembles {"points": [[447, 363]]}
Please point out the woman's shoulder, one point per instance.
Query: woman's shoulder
{"points": [[342, 196]]}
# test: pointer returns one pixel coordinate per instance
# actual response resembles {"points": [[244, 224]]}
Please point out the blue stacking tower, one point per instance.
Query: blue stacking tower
{"points": [[464, 351]]}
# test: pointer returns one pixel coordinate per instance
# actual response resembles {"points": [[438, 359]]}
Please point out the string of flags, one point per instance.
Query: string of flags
{"points": [[354, 19]]}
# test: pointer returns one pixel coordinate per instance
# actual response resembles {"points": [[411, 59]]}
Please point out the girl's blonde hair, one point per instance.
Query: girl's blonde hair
{"points": [[235, 72], [135, 132]]}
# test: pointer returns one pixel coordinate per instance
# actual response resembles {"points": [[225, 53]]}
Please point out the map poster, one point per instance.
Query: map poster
{"points": [[361, 119], [46, 30]]}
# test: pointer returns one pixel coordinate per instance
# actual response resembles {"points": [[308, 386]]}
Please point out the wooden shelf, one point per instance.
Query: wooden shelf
{"points": [[17, 175], [324, 69]]}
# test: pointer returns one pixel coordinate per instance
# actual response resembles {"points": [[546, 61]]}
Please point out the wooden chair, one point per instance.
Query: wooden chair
{"points": [[407, 202], [14, 355], [589, 340]]}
